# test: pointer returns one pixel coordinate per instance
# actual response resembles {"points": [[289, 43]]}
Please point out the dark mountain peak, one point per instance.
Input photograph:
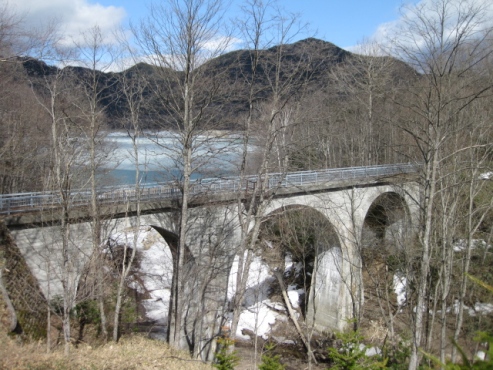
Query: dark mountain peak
{"points": [[318, 50], [141, 67], [305, 63], [77, 70], [35, 67], [314, 42]]}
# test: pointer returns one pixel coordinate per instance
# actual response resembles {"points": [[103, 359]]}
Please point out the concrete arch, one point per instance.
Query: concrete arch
{"points": [[327, 307], [387, 219], [347, 210], [331, 235]]}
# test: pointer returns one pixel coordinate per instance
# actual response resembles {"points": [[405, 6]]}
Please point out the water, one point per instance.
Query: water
{"points": [[159, 158]]}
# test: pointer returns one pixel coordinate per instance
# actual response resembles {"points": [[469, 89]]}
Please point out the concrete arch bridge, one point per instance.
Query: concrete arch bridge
{"points": [[359, 207]]}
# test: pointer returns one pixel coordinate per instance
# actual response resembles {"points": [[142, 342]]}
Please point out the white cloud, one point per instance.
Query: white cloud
{"points": [[73, 17], [389, 31], [222, 44]]}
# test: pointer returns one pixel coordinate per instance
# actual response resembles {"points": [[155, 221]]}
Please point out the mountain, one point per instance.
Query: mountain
{"points": [[306, 67]]}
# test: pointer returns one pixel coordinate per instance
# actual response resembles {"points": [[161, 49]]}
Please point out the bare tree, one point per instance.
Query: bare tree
{"points": [[133, 87], [476, 165], [96, 55], [57, 100], [444, 41], [300, 236], [178, 38], [362, 81], [266, 123]]}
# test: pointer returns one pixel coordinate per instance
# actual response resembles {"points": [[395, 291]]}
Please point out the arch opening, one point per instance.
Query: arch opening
{"points": [[303, 245], [148, 284], [386, 222], [385, 233], [297, 260]]}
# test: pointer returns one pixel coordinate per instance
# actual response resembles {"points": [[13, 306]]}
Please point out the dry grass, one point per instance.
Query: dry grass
{"points": [[133, 352]]}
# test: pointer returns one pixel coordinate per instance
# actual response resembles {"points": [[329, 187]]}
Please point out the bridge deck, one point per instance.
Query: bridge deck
{"points": [[213, 188]]}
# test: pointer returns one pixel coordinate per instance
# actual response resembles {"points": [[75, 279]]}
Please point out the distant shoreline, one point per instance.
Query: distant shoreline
{"points": [[230, 134]]}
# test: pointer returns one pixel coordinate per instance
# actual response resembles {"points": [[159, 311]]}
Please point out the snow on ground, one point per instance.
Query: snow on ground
{"points": [[260, 313], [154, 278], [480, 308], [461, 244], [480, 355], [155, 270], [258, 318], [486, 176], [294, 295], [258, 283], [400, 283], [288, 262]]}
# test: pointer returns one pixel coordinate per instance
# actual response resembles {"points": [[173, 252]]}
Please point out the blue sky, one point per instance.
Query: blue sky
{"points": [[342, 22]]}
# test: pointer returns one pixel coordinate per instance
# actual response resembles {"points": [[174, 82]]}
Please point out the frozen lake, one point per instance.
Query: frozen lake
{"points": [[159, 157]]}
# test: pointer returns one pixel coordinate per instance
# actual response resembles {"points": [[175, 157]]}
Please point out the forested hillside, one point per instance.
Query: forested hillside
{"points": [[319, 84], [424, 98]]}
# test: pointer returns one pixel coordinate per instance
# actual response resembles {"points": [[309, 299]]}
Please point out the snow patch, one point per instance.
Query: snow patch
{"points": [[155, 271], [480, 355], [258, 282], [258, 318], [288, 263], [400, 283], [372, 351], [480, 308], [461, 244], [259, 312], [294, 295]]}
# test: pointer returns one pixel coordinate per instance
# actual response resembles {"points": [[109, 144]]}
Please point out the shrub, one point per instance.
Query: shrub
{"points": [[351, 355], [270, 361], [398, 356], [225, 359]]}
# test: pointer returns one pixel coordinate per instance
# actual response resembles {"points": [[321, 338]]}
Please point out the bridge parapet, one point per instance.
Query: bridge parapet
{"points": [[38, 201]]}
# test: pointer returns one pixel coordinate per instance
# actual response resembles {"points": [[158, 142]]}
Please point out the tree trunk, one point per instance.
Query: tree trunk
{"points": [[292, 315], [429, 194]]}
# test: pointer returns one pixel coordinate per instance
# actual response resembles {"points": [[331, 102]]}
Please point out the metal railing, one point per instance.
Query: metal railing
{"points": [[26, 202]]}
